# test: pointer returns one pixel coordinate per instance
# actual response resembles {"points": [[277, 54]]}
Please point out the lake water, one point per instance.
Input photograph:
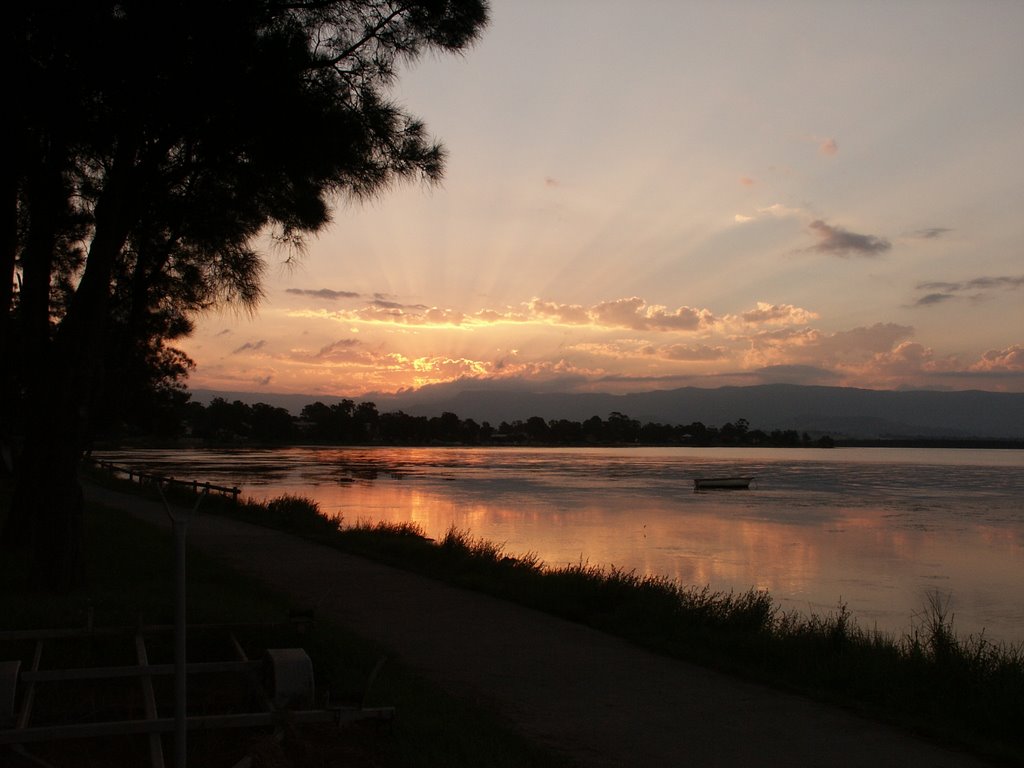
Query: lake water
{"points": [[878, 529]]}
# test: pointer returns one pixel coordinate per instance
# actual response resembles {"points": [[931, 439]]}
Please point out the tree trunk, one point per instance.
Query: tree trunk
{"points": [[28, 372], [48, 505], [50, 498], [8, 248]]}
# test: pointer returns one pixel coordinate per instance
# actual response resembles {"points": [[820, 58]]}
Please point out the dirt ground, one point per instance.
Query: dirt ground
{"points": [[590, 696]]}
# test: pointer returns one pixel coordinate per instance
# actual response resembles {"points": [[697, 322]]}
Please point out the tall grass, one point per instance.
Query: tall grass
{"points": [[964, 690]]}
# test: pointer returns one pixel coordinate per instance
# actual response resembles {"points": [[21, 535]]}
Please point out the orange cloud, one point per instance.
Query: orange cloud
{"points": [[636, 314], [1009, 359], [632, 349], [633, 313], [777, 314], [775, 210], [692, 354], [565, 314], [808, 346], [250, 346], [829, 147]]}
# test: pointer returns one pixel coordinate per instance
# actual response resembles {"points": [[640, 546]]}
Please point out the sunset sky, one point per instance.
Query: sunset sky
{"points": [[668, 193]]}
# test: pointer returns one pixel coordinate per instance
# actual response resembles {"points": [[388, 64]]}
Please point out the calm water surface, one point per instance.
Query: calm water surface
{"points": [[876, 528]]}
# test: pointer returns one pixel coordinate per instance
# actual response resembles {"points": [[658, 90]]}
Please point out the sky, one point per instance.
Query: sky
{"points": [[672, 193]]}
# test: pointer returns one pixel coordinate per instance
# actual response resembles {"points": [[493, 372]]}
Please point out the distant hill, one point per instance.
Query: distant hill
{"points": [[838, 411]]}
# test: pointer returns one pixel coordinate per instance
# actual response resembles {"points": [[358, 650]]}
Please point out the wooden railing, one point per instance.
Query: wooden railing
{"points": [[142, 477]]}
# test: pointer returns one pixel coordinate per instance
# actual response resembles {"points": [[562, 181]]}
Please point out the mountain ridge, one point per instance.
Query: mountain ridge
{"points": [[838, 411]]}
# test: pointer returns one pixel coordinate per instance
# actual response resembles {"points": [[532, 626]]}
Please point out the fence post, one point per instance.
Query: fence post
{"points": [[179, 524]]}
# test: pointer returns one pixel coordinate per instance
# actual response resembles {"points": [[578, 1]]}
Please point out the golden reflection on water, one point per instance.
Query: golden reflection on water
{"points": [[877, 529], [861, 557]]}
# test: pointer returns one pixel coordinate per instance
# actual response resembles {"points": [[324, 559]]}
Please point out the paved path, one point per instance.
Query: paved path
{"points": [[593, 697]]}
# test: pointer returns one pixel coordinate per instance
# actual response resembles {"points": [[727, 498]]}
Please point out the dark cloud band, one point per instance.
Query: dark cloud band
{"points": [[322, 293], [939, 291], [841, 242]]}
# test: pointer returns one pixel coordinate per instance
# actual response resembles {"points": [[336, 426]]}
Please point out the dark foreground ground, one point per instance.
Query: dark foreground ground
{"points": [[594, 698]]}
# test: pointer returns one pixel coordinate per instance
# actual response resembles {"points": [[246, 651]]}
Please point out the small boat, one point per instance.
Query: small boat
{"points": [[705, 483]]}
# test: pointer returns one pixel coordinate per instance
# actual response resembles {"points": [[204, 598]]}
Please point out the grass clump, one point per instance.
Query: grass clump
{"points": [[294, 514]]}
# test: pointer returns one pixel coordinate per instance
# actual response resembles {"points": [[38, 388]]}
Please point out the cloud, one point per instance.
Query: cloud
{"points": [[436, 368], [693, 354], [828, 147], [565, 314], [250, 346], [448, 374], [977, 283], [343, 348], [550, 181], [408, 315], [775, 211], [322, 293], [838, 241], [746, 181], [777, 314], [384, 304], [780, 211], [932, 298], [633, 313], [998, 360], [225, 332], [881, 356], [809, 346], [906, 361], [939, 291], [635, 349], [636, 314], [931, 233]]}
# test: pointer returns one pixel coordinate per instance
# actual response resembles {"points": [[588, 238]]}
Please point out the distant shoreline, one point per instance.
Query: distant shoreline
{"points": [[185, 443], [931, 443]]}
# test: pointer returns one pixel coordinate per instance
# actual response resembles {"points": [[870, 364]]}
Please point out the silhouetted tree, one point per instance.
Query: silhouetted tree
{"points": [[537, 430], [445, 428], [270, 424], [399, 427], [317, 420], [226, 422], [469, 432], [565, 431], [341, 425], [593, 429], [657, 433], [621, 429], [366, 421], [155, 142]]}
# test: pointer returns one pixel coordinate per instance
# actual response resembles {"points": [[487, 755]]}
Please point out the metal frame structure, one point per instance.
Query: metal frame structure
{"points": [[290, 669], [22, 732]]}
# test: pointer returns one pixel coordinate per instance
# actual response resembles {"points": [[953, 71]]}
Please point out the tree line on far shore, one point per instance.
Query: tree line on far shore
{"points": [[348, 422]]}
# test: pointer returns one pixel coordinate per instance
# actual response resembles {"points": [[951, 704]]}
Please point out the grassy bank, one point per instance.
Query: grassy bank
{"points": [[128, 579], [964, 691]]}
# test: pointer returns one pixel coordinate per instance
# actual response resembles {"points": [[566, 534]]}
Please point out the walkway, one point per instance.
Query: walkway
{"points": [[593, 697]]}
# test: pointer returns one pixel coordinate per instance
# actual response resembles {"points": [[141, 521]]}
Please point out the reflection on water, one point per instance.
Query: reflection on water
{"points": [[875, 528]]}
